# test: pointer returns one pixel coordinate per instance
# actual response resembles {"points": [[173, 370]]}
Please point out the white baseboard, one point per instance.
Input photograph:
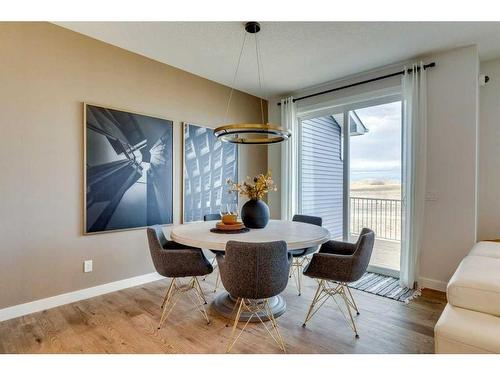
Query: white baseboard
{"points": [[78, 295], [424, 282]]}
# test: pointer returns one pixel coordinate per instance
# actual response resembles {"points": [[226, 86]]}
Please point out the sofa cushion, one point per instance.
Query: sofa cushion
{"points": [[476, 285], [486, 249], [464, 331]]}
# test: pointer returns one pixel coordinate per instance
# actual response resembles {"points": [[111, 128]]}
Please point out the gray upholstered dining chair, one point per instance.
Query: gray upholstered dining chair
{"points": [[174, 260], [252, 273], [210, 217], [301, 256], [339, 263]]}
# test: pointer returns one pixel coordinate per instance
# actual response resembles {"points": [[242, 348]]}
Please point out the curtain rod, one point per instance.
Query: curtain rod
{"points": [[430, 65]]}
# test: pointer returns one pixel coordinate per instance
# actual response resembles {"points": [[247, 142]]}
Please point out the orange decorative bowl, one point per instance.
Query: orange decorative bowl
{"points": [[230, 219]]}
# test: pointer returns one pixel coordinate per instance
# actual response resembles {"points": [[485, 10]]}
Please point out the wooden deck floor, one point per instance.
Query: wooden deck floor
{"points": [[386, 253], [126, 321]]}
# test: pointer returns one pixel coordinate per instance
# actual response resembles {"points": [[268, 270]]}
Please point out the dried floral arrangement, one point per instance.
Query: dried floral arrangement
{"points": [[261, 185]]}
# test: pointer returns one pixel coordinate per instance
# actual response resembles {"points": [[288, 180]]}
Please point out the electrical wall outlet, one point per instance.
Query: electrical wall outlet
{"points": [[87, 266]]}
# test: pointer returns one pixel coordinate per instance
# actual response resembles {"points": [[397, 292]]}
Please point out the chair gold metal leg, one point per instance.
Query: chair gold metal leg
{"points": [[324, 292], [201, 301], [236, 319], [320, 301], [217, 280], [352, 299], [299, 278], [174, 298], [174, 294], [276, 336], [344, 296], [200, 290], [232, 312], [296, 272], [242, 330], [270, 314], [254, 308], [167, 295], [313, 302]]}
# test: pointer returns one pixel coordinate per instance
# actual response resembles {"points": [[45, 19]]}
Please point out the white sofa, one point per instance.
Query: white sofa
{"points": [[470, 322]]}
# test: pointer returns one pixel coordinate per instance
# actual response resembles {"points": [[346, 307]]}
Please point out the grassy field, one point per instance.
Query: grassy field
{"points": [[376, 189]]}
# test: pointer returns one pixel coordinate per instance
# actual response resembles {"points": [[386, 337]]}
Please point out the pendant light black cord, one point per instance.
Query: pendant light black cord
{"points": [[235, 76], [257, 52]]}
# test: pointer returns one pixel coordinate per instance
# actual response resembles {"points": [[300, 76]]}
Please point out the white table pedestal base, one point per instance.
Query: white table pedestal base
{"points": [[224, 304]]}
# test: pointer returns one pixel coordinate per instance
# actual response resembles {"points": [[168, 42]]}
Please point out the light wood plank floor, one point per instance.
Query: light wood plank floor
{"points": [[126, 322]]}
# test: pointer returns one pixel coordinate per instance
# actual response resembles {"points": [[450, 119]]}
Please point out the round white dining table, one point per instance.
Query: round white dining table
{"points": [[297, 235]]}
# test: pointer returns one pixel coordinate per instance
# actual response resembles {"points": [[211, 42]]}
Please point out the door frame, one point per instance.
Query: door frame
{"points": [[345, 105]]}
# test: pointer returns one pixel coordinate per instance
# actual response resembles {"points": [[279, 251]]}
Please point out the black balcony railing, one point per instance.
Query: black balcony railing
{"points": [[381, 215]]}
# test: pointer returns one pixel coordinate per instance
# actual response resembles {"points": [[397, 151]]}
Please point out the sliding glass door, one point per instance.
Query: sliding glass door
{"points": [[375, 182], [349, 169]]}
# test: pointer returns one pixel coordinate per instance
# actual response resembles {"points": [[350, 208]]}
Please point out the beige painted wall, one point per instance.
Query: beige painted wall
{"points": [[46, 72], [489, 154]]}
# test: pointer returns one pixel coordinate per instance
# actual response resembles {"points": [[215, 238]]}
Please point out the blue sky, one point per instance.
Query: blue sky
{"points": [[377, 154]]}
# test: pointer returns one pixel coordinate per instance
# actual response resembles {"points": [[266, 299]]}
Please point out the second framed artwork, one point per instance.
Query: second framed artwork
{"points": [[208, 164]]}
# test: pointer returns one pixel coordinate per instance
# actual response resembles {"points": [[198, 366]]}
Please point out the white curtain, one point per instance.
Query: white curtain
{"points": [[414, 171], [289, 160]]}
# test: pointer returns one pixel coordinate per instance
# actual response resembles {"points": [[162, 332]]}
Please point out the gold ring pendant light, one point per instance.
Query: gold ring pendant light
{"points": [[250, 133]]}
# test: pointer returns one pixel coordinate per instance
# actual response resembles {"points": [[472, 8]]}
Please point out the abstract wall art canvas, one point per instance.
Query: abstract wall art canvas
{"points": [[128, 170], [208, 163]]}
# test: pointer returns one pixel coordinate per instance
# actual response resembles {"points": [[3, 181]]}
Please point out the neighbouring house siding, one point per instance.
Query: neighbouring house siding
{"points": [[321, 172]]}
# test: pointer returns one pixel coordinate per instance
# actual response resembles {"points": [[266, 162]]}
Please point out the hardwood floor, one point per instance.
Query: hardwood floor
{"points": [[126, 322]]}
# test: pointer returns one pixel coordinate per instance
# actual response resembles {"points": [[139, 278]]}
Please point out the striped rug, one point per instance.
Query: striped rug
{"points": [[385, 286]]}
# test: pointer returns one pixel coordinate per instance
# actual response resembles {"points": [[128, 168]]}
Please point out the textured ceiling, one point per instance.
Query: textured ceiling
{"points": [[295, 55]]}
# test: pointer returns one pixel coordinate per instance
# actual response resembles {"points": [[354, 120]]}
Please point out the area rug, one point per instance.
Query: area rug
{"points": [[385, 286]]}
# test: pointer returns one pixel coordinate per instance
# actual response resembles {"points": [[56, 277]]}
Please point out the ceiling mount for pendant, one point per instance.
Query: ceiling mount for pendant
{"points": [[263, 133], [252, 27]]}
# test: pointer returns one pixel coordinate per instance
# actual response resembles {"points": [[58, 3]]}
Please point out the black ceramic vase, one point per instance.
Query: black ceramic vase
{"points": [[255, 214]]}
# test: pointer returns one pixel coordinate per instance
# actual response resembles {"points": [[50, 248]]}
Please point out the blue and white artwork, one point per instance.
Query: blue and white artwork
{"points": [[208, 163], [128, 168]]}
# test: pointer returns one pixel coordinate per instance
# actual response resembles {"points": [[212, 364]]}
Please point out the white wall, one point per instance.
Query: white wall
{"points": [[450, 221], [450, 228], [489, 154]]}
